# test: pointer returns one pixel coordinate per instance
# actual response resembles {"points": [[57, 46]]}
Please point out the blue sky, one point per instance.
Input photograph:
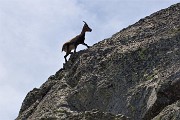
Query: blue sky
{"points": [[32, 33]]}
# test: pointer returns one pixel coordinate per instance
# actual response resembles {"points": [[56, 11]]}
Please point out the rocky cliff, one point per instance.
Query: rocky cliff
{"points": [[133, 75]]}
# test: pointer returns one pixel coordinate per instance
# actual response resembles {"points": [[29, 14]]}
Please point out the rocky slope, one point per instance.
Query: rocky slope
{"points": [[134, 75]]}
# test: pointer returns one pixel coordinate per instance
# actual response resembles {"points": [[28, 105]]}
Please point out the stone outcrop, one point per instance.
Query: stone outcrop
{"points": [[133, 75]]}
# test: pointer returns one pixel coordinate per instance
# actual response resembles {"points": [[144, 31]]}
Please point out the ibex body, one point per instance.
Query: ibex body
{"points": [[73, 43]]}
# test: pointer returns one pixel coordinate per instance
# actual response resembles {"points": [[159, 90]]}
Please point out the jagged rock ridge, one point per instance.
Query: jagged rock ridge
{"points": [[134, 75]]}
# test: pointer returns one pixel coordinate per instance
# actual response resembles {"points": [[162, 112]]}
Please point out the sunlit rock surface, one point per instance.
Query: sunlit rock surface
{"points": [[133, 75]]}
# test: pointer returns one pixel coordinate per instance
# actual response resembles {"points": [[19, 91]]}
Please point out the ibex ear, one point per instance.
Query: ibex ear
{"points": [[84, 22]]}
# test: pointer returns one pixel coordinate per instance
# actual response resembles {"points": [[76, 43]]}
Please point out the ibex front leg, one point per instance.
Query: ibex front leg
{"points": [[85, 45]]}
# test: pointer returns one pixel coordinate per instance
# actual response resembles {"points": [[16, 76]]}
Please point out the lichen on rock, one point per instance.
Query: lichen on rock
{"points": [[134, 75]]}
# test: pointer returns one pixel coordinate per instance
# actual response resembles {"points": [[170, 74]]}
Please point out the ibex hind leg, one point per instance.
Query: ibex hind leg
{"points": [[65, 57], [68, 51]]}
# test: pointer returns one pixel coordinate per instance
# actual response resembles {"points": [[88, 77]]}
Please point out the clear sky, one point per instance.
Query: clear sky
{"points": [[32, 33]]}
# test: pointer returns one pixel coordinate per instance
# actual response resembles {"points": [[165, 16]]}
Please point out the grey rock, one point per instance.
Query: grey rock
{"points": [[134, 75], [170, 112]]}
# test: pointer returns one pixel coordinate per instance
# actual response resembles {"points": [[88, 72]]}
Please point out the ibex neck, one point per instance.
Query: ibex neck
{"points": [[83, 32]]}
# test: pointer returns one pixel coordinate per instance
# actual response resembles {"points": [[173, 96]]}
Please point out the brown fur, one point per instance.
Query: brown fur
{"points": [[73, 43]]}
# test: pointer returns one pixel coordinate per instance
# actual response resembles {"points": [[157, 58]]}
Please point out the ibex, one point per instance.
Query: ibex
{"points": [[73, 43]]}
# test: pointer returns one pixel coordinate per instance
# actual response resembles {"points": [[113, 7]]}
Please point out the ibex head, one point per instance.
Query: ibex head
{"points": [[86, 28]]}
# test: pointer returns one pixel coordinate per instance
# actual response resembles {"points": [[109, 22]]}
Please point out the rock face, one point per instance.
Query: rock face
{"points": [[133, 75]]}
